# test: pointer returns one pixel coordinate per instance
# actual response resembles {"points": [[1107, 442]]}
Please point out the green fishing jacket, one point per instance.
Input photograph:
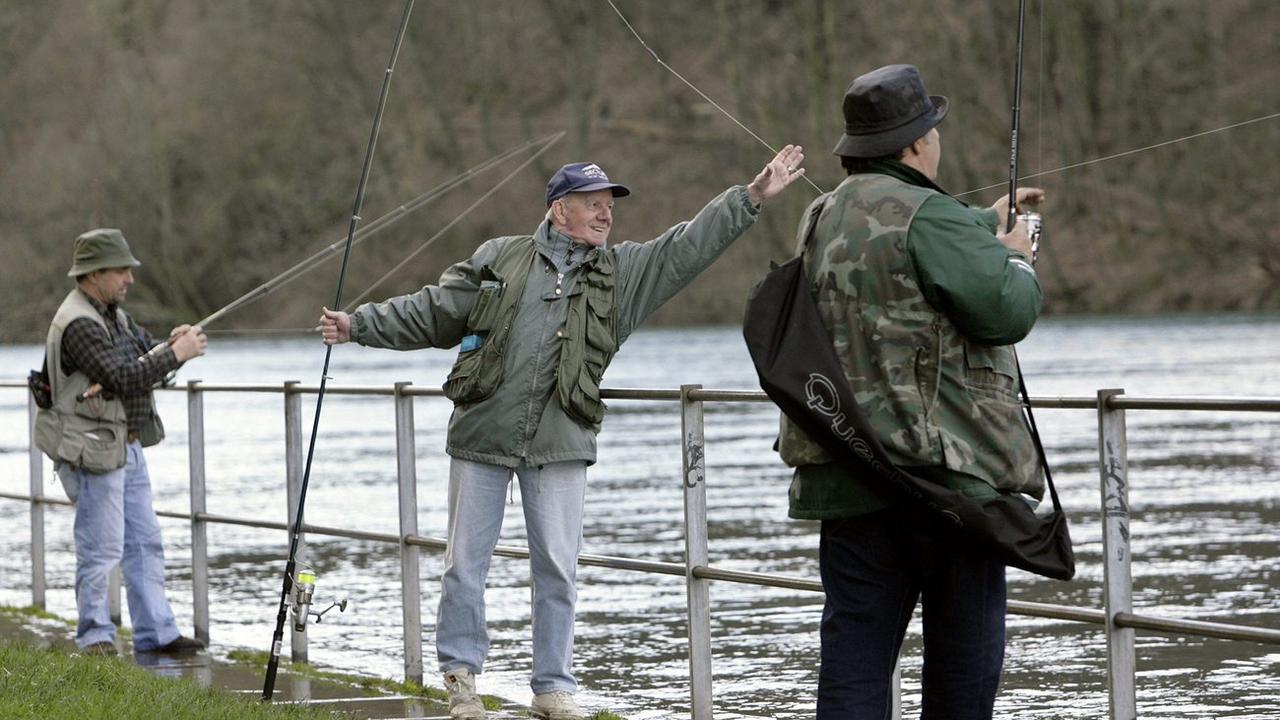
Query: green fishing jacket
{"points": [[537, 341], [923, 305]]}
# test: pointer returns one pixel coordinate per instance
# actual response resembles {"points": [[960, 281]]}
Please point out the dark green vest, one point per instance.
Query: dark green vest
{"points": [[589, 338]]}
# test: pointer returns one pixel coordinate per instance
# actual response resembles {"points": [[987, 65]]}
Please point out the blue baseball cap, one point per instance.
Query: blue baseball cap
{"points": [[581, 177]]}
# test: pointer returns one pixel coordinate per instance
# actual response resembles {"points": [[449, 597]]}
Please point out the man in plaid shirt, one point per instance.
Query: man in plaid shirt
{"points": [[95, 438]]}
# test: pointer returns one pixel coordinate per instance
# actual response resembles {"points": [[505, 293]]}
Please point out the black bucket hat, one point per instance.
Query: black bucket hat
{"points": [[886, 110]]}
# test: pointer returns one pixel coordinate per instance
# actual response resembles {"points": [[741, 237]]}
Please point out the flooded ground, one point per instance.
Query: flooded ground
{"points": [[1205, 496]]}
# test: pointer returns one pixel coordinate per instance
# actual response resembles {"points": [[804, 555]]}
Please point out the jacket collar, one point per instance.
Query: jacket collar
{"points": [[561, 249], [905, 173]]}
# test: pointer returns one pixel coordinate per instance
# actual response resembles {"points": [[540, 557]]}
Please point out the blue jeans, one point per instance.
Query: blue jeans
{"points": [[552, 496], [874, 569], [115, 524]]}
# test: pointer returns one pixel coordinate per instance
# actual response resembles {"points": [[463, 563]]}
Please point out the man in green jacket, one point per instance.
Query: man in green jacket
{"points": [[923, 297], [538, 318]]}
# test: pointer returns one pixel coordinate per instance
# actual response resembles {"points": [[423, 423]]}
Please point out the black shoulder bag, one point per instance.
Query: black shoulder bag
{"points": [[800, 372]]}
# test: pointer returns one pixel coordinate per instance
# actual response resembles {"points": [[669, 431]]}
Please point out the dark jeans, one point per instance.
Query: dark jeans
{"points": [[874, 568]]}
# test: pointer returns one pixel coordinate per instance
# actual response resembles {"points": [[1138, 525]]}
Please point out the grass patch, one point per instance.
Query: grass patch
{"points": [[26, 612], [37, 684]]}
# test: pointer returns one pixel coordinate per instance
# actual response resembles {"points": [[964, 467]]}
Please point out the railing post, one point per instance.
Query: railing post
{"points": [[895, 692], [114, 583], [410, 581], [695, 552], [199, 527], [293, 481], [1117, 580], [36, 462]]}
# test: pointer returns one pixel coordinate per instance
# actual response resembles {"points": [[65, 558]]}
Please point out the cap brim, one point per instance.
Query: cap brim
{"points": [[891, 141], [618, 190]]}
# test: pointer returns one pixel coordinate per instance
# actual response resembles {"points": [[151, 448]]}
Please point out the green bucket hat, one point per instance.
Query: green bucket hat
{"points": [[99, 249]]}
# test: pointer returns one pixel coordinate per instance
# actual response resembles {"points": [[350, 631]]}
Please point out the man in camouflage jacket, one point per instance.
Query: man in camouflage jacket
{"points": [[538, 318], [923, 297]]}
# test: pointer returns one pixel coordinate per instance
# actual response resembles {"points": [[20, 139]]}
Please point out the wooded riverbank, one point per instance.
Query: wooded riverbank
{"points": [[225, 138]]}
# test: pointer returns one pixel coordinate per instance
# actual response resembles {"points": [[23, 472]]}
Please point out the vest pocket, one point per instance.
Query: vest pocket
{"points": [[584, 404], [97, 448], [474, 376], [484, 313]]}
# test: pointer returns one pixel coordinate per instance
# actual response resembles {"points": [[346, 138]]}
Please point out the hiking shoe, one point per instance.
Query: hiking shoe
{"points": [[558, 705], [180, 645], [464, 704], [100, 648]]}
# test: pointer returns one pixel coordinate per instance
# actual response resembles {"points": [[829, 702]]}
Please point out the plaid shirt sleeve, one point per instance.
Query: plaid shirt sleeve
{"points": [[88, 347]]}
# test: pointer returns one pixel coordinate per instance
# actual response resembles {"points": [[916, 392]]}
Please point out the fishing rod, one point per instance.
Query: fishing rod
{"points": [[277, 638], [1012, 220], [382, 223], [1017, 112]]}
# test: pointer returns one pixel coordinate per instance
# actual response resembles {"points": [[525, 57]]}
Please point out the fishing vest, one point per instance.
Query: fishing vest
{"points": [[933, 397], [589, 337], [89, 433]]}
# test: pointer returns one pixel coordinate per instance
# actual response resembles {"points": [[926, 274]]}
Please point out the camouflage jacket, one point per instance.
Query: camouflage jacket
{"points": [[923, 305]]}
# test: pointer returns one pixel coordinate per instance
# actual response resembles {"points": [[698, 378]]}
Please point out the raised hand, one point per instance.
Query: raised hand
{"points": [[781, 171]]}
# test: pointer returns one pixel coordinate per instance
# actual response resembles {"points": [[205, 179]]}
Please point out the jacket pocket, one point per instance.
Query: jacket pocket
{"points": [[991, 371]]}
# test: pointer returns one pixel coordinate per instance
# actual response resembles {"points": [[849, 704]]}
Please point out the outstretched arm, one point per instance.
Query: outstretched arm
{"points": [[651, 273]]}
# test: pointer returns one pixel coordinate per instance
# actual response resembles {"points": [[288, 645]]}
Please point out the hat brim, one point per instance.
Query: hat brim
{"points": [[86, 268], [888, 142]]}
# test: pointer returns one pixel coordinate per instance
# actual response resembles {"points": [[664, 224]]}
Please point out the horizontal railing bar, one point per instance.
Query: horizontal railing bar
{"points": [[1203, 628], [754, 578], [1233, 404], [44, 499], [1199, 628], [1121, 402]]}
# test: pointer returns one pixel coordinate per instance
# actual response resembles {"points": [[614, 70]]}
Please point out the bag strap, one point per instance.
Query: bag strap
{"points": [[1035, 434]]}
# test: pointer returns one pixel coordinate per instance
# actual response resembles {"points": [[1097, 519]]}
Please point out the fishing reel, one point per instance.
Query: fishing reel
{"points": [[1034, 223], [304, 586]]}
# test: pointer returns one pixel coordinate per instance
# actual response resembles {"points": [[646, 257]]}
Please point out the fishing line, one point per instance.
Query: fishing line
{"points": [[480, 201], [382, 223], [693, 87], [1263, 118]]}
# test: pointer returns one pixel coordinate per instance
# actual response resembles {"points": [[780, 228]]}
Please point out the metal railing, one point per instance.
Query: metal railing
{"points": [[1116, 616]]}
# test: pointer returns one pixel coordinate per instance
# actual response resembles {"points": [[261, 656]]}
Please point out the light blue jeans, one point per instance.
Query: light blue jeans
{"points": [[552, 496], [115, 524]]}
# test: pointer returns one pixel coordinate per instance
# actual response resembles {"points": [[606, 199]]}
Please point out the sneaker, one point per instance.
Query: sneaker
{"points": [[557, 705], [464, 704], [180, 645], [100, 648]]}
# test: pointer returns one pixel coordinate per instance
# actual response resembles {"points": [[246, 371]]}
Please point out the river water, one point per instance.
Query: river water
{"points": [[1205, 497]]}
